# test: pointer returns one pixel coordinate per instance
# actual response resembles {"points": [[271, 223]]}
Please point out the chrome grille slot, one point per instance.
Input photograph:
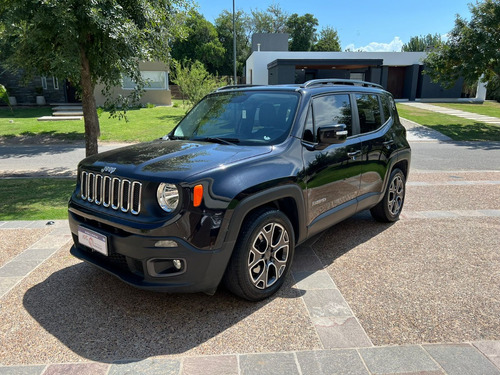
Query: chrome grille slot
{"points": [[106, 200], [123, 195], [91, 188], [98, 189], [115, 193]]}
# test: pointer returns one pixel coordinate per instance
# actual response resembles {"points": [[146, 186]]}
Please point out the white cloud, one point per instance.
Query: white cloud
{"points": [[394, 46]]}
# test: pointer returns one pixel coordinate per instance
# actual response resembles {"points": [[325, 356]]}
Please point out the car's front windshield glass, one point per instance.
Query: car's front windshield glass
{"points": [[240, 117]]}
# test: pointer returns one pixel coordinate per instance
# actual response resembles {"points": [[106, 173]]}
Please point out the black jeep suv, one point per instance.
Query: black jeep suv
{"points": [[248, 174]]}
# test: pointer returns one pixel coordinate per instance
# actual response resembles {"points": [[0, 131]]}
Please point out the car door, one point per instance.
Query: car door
{"points": [[331, 174], [377, 143]]}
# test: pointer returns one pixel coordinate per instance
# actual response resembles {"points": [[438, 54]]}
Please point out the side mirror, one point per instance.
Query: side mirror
{"points": [[331, 134]]}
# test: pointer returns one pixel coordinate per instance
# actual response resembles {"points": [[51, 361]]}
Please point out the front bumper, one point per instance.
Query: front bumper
{"points": [[136, 260]]}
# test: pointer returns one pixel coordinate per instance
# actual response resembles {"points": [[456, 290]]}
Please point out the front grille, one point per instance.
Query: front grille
{"points": [[119, 194]]}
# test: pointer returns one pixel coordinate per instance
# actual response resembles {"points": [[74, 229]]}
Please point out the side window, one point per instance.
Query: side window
{"points": [[332, 110], [386, 107], [309, 128], [370, 118]]}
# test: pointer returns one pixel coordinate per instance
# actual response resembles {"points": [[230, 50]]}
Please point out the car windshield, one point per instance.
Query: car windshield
{"points": [[240, 117]]}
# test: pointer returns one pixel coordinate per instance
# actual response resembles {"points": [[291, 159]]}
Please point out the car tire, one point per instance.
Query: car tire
{"points": [[262, 255], [389, 208]]}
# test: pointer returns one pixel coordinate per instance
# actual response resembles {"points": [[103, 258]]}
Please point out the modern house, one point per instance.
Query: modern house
{"points": [[398, 72], [59, 90]]}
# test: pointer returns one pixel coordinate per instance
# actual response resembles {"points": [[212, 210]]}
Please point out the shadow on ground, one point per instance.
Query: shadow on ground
{"points": [[100, 318]]}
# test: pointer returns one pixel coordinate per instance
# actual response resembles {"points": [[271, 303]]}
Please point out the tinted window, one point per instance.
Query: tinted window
{"points": [[332, 110], [370, 118], [386, 106]]}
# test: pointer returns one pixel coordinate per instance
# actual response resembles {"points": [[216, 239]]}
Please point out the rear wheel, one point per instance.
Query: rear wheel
{"points": [[262, 256], [389, 208]]}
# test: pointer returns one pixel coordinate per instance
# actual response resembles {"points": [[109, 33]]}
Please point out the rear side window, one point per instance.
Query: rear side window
{"points": [[332, 110], [386, 107], [370, 118]]}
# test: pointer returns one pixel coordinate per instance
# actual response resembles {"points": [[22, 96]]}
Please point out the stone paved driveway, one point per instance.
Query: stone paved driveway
{"points": [[420, 296]]}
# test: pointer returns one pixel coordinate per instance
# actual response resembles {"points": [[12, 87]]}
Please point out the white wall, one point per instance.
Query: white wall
{"points": [[257, 62]]}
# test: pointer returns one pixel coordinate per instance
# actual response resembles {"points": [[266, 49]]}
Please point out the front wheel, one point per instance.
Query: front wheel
{"points": [[389, 208], [262, 256]]}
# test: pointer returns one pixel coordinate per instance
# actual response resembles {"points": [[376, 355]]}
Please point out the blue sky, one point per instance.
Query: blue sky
{"points": [[373, 25]]}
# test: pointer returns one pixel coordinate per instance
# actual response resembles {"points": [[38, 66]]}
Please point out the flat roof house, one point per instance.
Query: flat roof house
{"points": [[398, 72]]}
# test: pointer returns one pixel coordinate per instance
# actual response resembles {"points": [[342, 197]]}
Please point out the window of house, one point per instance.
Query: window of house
{"points": [[155, 80], [55, 81], [357, 76], [44, 83], [370, 118]]}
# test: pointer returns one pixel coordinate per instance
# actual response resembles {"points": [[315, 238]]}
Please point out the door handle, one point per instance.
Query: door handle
{"points": [[388, 143], [354, 154]]}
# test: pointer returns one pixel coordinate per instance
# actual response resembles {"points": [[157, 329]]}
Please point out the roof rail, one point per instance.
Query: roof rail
{"points": [[333, 81], [232, 87]]}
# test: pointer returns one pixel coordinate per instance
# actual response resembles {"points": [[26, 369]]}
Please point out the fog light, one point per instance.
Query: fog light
{"points": [[166, 243], [177, 264]]}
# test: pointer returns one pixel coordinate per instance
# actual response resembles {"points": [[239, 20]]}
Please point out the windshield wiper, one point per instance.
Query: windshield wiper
{"points": [[226, 141]]}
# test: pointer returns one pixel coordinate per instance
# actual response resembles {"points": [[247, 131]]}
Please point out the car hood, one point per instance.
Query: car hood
{"points": [[178, 159]]}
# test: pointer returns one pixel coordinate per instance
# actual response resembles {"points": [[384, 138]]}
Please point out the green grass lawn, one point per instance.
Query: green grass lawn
{"points": [[487, 108], [35, 198], [457, 128], [143, 124]]}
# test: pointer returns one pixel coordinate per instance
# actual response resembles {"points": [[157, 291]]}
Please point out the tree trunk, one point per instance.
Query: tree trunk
{"points": [[92, 131]]}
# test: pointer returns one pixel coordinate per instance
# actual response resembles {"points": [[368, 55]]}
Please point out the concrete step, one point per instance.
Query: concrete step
{"points": [[67, 108], [68, 113], [59, 118], [65, 104]]}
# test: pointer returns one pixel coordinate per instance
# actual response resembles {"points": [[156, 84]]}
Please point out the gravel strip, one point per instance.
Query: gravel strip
{"points": [[418, 281], [431, 198], [14, 241]]}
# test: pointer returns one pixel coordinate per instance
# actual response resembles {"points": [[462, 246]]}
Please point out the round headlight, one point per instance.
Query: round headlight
{"points": [[168, 197]]}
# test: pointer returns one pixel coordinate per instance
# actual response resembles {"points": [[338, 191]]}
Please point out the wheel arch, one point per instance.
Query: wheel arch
{"points": [[288, 199]]}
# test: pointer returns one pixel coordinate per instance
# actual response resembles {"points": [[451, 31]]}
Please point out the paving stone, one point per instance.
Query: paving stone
{"points": [[305, 260], [272, 364], [21, 370], [147, 367], [16, 224], [490, 349], [313, 280], [460, 359], [398, 359], [38, 224], [343, 332], [35, 254], [6, 284], [21, 268], [51, 242], [77, 369], [326, 362], [216, 365], [61, 230], [327, 302]]}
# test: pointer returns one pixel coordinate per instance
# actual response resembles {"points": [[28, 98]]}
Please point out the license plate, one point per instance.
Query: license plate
{"points": [[94, 240]]}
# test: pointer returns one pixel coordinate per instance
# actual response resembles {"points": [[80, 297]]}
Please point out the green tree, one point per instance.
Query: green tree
{"points": [[472, 50], [302, 31], [4, 95], [272, 20], [422, 43], [224, 27], [328, 40], [193, 80], [88, 42], [202, 43]]}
